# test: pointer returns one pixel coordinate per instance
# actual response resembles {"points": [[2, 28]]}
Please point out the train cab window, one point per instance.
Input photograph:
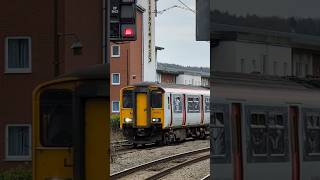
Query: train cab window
{"points": [[219, 148], [177, 104], [312, 135], [207, 104], [127, 99], [56, 118], [156, 99]]}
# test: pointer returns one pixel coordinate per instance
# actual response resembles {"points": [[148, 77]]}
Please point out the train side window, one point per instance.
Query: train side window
{"points": [[190, 105], [218, 135], [127, 99], [56, 118], [276, 135], [196, 104], [177, 104], [312, 135], [258, 128], [207, 104], [156, 99]]}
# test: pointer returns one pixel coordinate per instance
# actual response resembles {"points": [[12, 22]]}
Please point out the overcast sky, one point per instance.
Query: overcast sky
{"points": [[175, 31]]}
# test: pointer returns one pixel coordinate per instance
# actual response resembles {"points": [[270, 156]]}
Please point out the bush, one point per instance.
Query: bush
{"points": [[16, 175], [115, 122]]}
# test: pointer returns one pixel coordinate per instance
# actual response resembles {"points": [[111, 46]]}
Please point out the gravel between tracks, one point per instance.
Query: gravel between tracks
{"points": [[194, 171], [128, 160]]}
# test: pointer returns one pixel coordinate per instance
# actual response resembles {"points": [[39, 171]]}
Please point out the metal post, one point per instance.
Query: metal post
{"points": [[107, 31], [56, 66]]}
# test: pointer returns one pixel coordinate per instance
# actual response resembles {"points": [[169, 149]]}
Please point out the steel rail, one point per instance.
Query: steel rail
{"points": [[132, 170], [207, 177], [177, 167]]}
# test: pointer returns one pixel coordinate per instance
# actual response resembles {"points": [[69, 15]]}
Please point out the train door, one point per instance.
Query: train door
{"points": [[266, 143], [141, 109], [96, 110], [177, 109], [53, 152], [309, 133], [220, 142]]}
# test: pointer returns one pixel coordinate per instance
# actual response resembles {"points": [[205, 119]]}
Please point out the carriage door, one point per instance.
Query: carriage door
{"points": [[236, 141], [294, 135], [142, 108]]}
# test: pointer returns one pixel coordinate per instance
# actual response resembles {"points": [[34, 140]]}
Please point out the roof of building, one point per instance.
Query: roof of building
{"points": [[178, 69]]}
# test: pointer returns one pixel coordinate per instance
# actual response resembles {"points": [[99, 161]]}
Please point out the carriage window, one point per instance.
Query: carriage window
{"points": [[218, 135], [177, 104], [56, 118], [156, 99], [127, 100], [193, 104], [312, 135], [207, 104], [258, 130], [276, 135]]}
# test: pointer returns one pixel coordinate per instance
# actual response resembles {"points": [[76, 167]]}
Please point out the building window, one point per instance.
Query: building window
{"points": [[264, 64], [115, 51], [254, 66], [115, 78], [115, 106], [18, 142], [18, 55]]}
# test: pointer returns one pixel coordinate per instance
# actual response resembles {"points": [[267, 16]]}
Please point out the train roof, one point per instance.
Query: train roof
{"points": [[171, 86], [99, 71]]}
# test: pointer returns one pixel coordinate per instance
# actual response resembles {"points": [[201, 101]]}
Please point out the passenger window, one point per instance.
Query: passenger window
{"points": [[258, 136], [207, 104], [156, 99], [218, 135], [127, 99], [56, 118], [276, 135], [177, 104], [193, 104], [312, 135]]}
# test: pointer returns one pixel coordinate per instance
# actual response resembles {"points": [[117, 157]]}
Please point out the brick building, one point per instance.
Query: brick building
{"points": [[27, 55]]}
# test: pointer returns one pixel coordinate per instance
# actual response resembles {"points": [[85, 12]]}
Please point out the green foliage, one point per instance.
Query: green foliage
{"points": [[16, 175], [115, 122]]}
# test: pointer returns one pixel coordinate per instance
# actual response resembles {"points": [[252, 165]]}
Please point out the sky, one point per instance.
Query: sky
{"points": [[176, 32]]}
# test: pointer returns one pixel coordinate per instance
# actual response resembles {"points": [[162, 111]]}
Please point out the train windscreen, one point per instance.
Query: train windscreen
{"points": [[156, 99], [127, 99], [56, 118]]}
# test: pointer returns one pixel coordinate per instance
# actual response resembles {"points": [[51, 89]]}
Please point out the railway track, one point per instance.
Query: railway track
{"points": [[164, 166]]}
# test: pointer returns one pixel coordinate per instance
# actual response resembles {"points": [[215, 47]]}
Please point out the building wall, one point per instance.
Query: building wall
{"points": [[149, 60], [189, 80], [34, 19], [129, 65], [252, 58], [204, 81], [302, 64], [168, 78]]}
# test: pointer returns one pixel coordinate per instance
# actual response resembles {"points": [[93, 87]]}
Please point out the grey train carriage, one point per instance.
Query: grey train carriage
{"points": [[264, 128]]}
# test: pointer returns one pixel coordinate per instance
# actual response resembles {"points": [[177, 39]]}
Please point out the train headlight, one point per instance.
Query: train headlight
{"points": [[127, 120], [156, 120]]}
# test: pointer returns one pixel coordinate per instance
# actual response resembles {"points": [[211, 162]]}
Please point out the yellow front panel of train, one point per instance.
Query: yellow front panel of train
{"points": [[53, 163], [141, 109]]}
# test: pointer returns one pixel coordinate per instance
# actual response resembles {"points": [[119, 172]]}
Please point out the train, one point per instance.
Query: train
{"points": [[164, 113], [70, 126], [264, 127]]}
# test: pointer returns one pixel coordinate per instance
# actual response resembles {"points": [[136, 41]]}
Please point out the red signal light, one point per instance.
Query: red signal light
{"points": [[128, 32]]}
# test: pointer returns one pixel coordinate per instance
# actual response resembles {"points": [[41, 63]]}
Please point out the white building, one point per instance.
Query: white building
{"points": [[149, 60]]}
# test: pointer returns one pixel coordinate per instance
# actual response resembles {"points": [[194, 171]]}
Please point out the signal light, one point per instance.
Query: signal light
{"points": [[128, 32]]}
